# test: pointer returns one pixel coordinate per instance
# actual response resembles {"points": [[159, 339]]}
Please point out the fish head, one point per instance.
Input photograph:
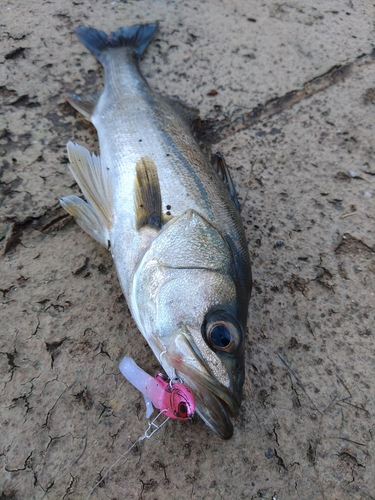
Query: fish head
{"points": [[189, 307]]}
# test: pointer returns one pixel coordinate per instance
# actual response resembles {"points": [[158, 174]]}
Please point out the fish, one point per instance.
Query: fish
{"points": [[172, 398], [169, 215]]}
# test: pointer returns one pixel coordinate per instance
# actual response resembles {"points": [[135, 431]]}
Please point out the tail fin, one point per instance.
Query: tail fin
{"points": [[136, 37]]}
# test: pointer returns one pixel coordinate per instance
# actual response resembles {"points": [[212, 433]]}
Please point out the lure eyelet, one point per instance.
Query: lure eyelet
{"points": [[174, 380]]}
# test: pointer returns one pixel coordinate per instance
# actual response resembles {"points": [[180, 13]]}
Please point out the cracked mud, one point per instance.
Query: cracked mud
{"points": [[286, 92]]}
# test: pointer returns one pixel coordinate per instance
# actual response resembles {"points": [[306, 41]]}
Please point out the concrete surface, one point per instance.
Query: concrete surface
{"points": [[287, 92]]}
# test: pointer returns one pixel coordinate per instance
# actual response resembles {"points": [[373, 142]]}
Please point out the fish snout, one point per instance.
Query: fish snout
{"points": [[216, 403]]}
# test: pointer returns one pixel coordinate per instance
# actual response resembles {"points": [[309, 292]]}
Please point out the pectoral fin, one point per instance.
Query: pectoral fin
{"points": [[95, 216], [147, 194]]}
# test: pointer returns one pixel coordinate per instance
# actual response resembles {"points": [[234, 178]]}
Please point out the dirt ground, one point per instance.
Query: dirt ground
{"points": [[286, 92]]}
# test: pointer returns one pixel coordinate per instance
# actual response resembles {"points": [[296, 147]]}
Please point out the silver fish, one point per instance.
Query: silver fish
{"points": [[171, 221]]}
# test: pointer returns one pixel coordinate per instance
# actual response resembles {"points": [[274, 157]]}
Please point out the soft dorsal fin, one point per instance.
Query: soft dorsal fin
{"points": [[187, 112], [222, 170], [147, 194]]}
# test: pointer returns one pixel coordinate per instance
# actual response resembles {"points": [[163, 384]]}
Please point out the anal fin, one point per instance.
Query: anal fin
{"points": [[147, 194], [86, 218], [95, 215]]}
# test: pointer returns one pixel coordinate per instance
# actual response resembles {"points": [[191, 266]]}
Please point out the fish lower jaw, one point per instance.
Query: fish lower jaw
{"points": [[223, 426]]}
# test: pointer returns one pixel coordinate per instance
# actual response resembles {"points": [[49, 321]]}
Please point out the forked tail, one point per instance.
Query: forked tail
{"points": [[135, 37]]}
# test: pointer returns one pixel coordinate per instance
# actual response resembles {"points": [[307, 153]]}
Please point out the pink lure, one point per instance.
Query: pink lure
{"points": [[173, 398]]}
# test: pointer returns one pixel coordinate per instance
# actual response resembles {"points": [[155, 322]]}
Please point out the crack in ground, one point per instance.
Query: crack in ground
{"points": [[102, 350], [149, 485], [52, 439], [26, 465], [23, 398], [212, 131], [45, 424], [52, 219], [37, 328], [54, 347], [107, 411], [280, 460], [352, 463], [11, 363], [5, 291], [157, 465], [276, 436], [84, 397], [83, 450], [47, 488], [311, 453], [69, 490]]}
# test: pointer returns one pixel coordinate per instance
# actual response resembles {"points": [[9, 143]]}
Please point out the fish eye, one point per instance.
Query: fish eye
{"points": [[220, 336], [222, 332]]}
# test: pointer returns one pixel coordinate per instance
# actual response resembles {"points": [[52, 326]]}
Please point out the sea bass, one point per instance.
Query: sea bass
{"points": [[170, 218]]}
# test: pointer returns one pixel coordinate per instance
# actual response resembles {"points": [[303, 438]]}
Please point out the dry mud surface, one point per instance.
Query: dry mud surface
{"points": [[287, 92]]}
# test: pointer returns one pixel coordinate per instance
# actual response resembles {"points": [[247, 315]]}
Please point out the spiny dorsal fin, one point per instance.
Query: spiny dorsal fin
{"points": [[147, 194], [222, 170], [84, 105]]}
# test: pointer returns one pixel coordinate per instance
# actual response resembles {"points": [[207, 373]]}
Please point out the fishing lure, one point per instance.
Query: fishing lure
{"points": [[172, 398]]}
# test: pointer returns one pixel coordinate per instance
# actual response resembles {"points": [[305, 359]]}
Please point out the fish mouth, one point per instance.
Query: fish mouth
{"points": [[215, 403], [214, 410]]}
